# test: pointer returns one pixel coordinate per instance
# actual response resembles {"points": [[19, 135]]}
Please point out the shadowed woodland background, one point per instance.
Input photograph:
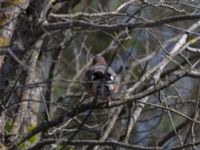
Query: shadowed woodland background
{"points": [[45, 47]]}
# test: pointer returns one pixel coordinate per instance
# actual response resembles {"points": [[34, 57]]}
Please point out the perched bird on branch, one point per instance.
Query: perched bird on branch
{"points": [[100, 79]]}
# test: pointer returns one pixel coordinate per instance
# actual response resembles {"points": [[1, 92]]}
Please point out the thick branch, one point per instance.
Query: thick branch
{"points": [[116, 27]]}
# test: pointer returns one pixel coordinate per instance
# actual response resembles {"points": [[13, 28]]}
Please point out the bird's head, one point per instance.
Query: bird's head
{"points": [[101, 80]]}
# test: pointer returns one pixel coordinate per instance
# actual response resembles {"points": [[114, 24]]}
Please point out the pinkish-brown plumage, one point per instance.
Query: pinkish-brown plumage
{"points": [[99, 60]]}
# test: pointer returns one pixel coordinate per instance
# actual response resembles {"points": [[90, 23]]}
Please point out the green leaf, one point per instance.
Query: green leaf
{"points": [[23, 145], [8, 125]]}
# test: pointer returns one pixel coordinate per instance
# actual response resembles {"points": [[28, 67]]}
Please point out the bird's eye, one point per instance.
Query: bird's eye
{"points": [[97, 76], [92, 77], [112, 78], [109, 77]]}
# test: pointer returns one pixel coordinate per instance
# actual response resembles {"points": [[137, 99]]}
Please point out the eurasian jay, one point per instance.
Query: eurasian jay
{"points": [[100, 79]]}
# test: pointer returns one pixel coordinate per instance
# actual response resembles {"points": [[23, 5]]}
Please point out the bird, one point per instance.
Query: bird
{"points": [[100, 79]]}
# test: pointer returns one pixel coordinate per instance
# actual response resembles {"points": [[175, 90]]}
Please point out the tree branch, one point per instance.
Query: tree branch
{"points": [[74, 24]]}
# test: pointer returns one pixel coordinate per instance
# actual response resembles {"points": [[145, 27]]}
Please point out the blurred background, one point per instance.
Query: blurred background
{"points": [[46, 46]]}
